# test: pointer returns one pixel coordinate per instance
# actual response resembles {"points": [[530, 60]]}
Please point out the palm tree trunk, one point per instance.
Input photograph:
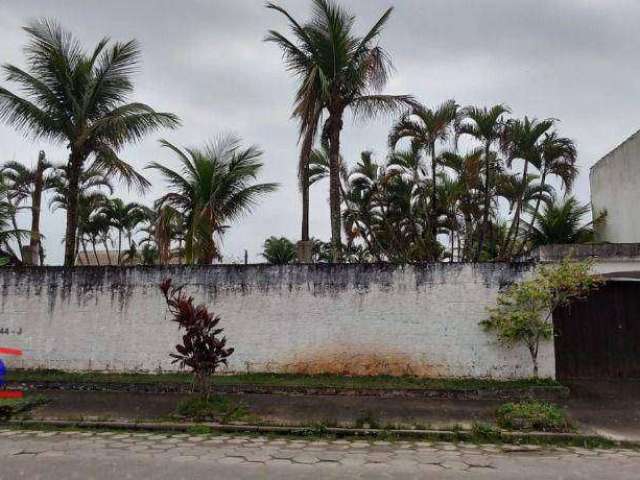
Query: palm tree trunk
{"points": [[303, 172], [36, 201], [75, 166], [487, 201], [434, 196], [515, 226], [119, 247], [537, 208], [84, 250], [335, 127], [106, 249], [14, 223], [95, 253]]}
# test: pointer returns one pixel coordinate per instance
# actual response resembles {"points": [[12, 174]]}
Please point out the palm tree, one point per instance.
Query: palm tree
{"points": [[164, 226], [341, 71], [561, 222], [80, 99], [8, 231], [215, 185], [426, 128], [308, 103], [279, 251], [558, 157], [93, 189], [522, 139], [124, 217], [486, 126], [23, 183], [464, 194]]}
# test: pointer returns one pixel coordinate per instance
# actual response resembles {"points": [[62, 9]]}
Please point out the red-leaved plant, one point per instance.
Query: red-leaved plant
{"points": [[202, 349]]}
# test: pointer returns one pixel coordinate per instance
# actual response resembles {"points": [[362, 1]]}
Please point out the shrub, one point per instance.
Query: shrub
{"points": [[532, 415], [213, 408], [202, 349], [524, 311]]}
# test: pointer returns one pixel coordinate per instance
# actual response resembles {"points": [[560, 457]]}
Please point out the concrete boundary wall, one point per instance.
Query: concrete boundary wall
{"points": [[359, 319]]}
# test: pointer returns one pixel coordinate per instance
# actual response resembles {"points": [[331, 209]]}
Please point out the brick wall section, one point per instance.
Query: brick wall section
{"points": [[419, 319]]}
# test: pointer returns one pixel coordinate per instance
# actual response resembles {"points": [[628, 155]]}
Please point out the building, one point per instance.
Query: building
{"points": [[615, 188]]}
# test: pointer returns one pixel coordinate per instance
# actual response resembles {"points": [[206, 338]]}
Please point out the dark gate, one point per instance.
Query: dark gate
{"points": [[600, 337]]}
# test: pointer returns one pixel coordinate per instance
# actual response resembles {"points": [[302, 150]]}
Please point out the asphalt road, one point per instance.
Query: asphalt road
{"points": [[111, 455]]}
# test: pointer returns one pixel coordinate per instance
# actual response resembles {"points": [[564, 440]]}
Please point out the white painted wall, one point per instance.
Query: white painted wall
{"points": [[615, 187], [423, 319]]}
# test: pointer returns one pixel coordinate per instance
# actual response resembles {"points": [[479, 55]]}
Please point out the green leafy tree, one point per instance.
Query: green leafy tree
{"points": [[216, 185], [279, 251], [523, 314], [80, 99]]}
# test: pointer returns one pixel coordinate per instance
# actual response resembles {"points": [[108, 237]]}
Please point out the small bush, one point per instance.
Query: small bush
{"points": [[533, 415], [203, 349], [215, 408]]}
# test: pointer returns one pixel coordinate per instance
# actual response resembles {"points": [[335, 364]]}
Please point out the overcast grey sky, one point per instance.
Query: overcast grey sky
{"points": [[575, 60]]}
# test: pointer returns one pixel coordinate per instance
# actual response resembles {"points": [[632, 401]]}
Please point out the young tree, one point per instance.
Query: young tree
{"points": [[279, 251], [524, 311], [80, 99], [202, 349], [216, 185]]}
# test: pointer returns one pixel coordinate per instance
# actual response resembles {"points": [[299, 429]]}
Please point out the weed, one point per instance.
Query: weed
{"points": [[533, 415], [215, 408]]}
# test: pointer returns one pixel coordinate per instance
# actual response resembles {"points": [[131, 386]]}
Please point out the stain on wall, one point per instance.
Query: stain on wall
{"points": [[372, 318]]}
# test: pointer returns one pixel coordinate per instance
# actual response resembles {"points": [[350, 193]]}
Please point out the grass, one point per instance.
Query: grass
{"points": [[533, 415], [10, 407], [282, 380], [215, 408]]}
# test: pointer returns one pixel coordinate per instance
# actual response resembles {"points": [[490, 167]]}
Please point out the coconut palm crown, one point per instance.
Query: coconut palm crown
{"points": [[215, 185]]}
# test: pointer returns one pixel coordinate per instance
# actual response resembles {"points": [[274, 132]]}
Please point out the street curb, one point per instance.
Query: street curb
{"points": [[549, 393], [443, 435]]}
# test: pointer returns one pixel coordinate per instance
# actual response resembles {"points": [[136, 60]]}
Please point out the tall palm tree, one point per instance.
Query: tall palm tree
{"points": [[342, 71], [464, 193], [80, 99], [522, 139], [485, 125], [215, 185], [426, 128], [308, 103], [558, 157], [124, 217], [29, 183]]}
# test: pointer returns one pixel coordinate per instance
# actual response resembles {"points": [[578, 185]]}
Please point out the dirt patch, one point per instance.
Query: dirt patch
{"points": [[358, 362]]}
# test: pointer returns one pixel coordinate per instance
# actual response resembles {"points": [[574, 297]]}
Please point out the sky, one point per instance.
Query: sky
{"points": [[205, 60]]}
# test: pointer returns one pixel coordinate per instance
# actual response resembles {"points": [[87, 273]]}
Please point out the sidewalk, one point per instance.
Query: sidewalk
{"points": [[605, 408]]}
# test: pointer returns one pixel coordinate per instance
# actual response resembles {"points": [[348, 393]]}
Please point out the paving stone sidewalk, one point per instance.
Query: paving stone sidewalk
{"points": [[65, 454]]}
